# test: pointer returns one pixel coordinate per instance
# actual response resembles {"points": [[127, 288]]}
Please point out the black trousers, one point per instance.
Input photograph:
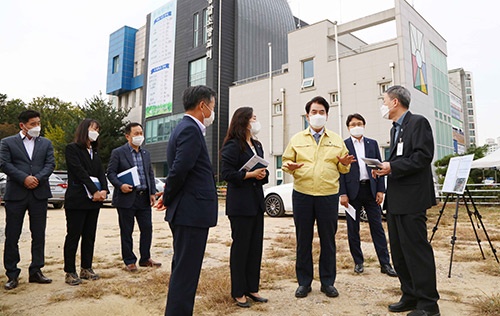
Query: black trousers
{"points": [[413, 258], [14, 218], [141, 211], [247, 233], [373, 212], [324, 210], [80, 224], [189, 249]]}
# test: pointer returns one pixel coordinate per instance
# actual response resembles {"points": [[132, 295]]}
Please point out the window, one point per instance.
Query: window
{"points": [[198, 72], [277, 109], [334, 97], [307, 73], [383, 87], [158, 130], [305, 123], [472, 133], [116, 64], [136, 69], [471, 112], [279, 171], [204, 25], [196, 29], [471, 125]]}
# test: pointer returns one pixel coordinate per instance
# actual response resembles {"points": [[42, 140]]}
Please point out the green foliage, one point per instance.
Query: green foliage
{"points": [[58, 137], [60, 119]]}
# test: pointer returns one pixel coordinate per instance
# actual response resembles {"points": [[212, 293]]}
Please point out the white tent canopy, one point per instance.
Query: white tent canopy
{"points": [[490, 161]]}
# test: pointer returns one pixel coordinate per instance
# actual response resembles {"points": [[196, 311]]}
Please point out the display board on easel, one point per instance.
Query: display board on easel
{"points": [[457, 174]]}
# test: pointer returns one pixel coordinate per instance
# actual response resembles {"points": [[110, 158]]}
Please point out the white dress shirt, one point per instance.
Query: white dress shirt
{"points": [[29, 144], [359, 147]]}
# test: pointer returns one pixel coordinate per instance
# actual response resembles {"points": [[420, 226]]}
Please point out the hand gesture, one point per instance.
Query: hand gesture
{"points": [[346, 159], [294, 165]]}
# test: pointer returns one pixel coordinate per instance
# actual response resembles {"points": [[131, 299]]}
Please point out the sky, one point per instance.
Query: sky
{"points": [[59, 48]]}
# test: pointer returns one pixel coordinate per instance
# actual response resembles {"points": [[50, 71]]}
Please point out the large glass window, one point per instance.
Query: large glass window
{"points": [[204, 25], [116, 64], [198, 72], [196, 29], [308, 69], [159, 130]]}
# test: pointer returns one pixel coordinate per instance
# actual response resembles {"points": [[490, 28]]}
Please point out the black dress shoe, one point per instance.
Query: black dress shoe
{"points": [[245, 304], [38, 277], [259, 299], [11, 284], [302, 291], [330, 291], [421, 312], [358, 268], [387, 269], [402, 306]]}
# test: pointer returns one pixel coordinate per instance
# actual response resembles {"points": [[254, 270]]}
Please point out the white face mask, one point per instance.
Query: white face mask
{"points": [[35, 131], [137, 140], [207, 121], [93, 135], [384, 111], [357, 131], [317, 120], [254, 128]]}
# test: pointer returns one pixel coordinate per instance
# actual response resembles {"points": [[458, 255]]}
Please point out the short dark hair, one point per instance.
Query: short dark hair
{"points": [[128, 127], [25, 116], [319, 100], [401, 93], [356, 116], [193, 95], [82, 132]]}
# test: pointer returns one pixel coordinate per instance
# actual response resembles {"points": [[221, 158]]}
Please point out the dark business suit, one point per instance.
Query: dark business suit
{"points": [[410, 192], [81, 212], [191, 199], [133, 204], [16, 163], [363, 195], [245, 208]]}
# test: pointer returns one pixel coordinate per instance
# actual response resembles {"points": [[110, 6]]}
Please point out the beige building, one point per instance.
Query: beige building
{"points": [[414, 56]]}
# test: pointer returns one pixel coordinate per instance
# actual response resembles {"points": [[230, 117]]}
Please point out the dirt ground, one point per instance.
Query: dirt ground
{"points": [[365, 294]]}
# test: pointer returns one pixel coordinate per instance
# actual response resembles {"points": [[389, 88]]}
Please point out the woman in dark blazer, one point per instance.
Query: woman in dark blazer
{"points": [[87, 188], [244, 205]]}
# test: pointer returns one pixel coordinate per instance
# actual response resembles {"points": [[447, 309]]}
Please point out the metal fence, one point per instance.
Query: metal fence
{"points": [[483, 194]]}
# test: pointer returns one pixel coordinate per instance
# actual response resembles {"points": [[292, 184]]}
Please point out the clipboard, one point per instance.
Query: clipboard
{"points": [[372, 162]]}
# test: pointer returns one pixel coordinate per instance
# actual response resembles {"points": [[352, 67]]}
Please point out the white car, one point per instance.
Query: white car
{"points": [[278, 201], [159, 185]]}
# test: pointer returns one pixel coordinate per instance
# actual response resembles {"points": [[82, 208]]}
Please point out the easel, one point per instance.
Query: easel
{"points": [[469, 212]]}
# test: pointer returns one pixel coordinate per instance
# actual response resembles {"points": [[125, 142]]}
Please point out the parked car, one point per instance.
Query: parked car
{"points": [[58, 188], [278, 201], [63, 174], [111, 188]]}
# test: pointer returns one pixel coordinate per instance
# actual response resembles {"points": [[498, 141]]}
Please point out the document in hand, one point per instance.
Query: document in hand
{"points": [[372, 162], [130, 176], [255, 162], [97, 184]]}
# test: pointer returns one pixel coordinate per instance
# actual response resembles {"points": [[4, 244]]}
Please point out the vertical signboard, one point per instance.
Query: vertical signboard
{"points": [[161, 60]]}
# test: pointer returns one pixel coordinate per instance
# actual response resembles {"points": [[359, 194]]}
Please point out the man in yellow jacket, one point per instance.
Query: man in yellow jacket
{"points": [[316, 157]]}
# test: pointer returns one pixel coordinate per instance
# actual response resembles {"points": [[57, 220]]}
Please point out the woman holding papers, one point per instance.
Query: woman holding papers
{"points": [[87, 188], [244, 170]]}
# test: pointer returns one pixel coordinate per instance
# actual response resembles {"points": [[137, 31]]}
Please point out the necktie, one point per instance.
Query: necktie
{"points": [[317, 137]]}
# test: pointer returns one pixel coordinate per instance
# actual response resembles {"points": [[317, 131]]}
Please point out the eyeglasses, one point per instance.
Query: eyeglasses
{"points": [[356, 124]]}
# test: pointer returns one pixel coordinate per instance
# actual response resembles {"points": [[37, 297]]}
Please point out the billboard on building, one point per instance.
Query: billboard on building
{"points": [[161, 60]]}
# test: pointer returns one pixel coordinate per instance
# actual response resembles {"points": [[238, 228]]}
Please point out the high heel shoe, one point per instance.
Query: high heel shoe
{"points": [[259, 299], [245, 304]]}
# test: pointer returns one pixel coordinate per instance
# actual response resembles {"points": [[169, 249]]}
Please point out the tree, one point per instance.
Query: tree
{"points": [[112, 124], [9, 112], [58, 138]]}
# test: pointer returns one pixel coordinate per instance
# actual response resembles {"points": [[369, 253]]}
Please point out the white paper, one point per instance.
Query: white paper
{"points": [[97, 184], [255, 161], [351, 211], [372, 162], [457, 174], [134, 176]]}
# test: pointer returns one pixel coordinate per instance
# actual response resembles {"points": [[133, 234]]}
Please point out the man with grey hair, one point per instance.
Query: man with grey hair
{"points": [[410, 192]]}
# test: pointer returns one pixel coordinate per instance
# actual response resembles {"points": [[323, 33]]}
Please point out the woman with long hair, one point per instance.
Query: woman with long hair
{"points": [[87, 189], [244, 205]]}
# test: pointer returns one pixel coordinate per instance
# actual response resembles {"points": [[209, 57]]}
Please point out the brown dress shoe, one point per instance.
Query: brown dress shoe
{"points": [[131, 267], [150, 263]]}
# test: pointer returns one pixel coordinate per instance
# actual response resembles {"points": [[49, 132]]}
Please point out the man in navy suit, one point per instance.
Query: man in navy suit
{"points": [[360, 189], [190, 197], [28, 161], [410, 192], [134, 202]]}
